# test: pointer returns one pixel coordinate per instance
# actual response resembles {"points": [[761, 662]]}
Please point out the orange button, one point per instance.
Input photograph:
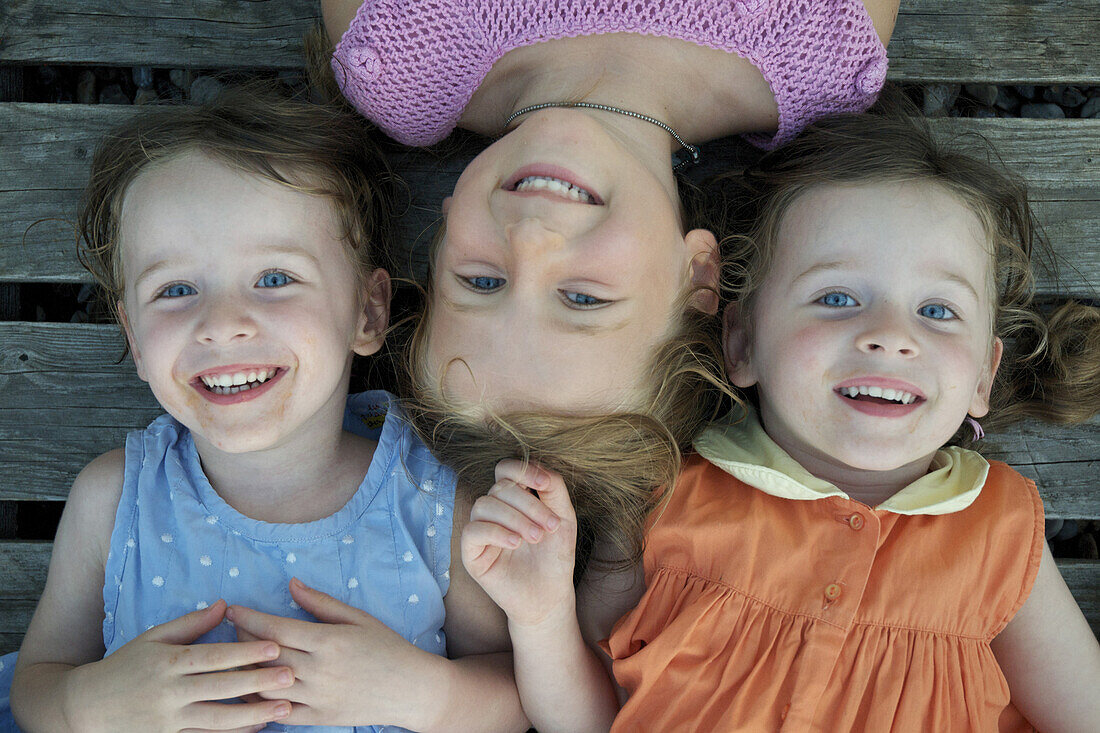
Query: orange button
{"points": [[856, 522], [832, 591]]}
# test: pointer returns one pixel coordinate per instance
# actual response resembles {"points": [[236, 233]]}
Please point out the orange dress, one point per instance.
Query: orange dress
{"points": [[763, 613]]}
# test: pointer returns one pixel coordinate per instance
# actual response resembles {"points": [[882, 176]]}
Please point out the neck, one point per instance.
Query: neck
{"points": [[306, 478]]}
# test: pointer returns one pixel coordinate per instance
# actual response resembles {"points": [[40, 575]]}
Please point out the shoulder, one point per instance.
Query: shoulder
{"points": [[89, 514], [883, 14]]}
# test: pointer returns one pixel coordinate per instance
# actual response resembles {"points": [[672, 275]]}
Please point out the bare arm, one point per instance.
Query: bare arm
{"points": [[1050, 657], [61, 683], [520, 548]]}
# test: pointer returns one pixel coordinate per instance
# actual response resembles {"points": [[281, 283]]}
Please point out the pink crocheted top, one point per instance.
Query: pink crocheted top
{"points": [[411, 66]]}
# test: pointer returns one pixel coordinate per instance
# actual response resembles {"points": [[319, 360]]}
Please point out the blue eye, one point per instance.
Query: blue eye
{"points": [[177, 290], [837, 300], [484, 283], [274, 280], [937, 311], [582, 300]]}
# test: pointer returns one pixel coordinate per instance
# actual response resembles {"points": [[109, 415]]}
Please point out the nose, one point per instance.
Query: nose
{"points": [[887, 330], [531, 236], [224, 320]]}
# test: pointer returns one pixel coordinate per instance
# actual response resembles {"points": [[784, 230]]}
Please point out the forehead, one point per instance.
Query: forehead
{"points": [[190, 197], [918, 224]]}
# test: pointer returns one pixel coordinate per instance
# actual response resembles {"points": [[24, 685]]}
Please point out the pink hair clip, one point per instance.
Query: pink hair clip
{"points": [[976, 427]]}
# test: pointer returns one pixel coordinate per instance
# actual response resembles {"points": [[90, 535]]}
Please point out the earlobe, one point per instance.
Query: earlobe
{"points": [[374, 318], [135, 352], [979, 406], [735, 347], [446, 206], [706, 269]]}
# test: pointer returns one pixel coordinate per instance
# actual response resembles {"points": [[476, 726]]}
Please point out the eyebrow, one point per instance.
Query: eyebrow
{"points": [[562, 324], [284, 249], [841, 265]]}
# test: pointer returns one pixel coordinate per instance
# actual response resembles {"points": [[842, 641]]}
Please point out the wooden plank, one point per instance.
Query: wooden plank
{"points": [[23, 566], [66, 400], [46, 150], [222, 34], [1005, 41]]}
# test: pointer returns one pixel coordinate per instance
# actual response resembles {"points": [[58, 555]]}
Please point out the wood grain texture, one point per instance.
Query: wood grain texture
{"points": [[23, 566], [1005, 41], [46, 150], [223, 34]]}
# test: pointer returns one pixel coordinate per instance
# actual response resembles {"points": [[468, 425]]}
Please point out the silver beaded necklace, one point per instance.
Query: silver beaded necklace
{"points": [[693, 150]]}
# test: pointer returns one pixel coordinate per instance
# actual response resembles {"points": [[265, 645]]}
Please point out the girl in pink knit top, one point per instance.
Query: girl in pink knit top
{"points": [[566, 264]]}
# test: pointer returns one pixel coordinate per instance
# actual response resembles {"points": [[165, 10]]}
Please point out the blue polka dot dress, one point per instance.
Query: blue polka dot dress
{"points": [[177, 546]]}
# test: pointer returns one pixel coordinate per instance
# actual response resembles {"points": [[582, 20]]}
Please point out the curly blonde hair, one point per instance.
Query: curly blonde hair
{"points": [[1051, 364]]}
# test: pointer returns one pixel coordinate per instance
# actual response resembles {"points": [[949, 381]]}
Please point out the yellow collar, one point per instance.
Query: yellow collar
{"points": [[742, 449]]}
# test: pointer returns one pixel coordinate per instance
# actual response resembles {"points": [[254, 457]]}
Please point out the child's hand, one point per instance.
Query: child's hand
{"points": [[157, 682], [521, 547], [350, 669]]}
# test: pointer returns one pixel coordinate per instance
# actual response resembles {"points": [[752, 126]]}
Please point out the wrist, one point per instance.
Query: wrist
{"points": [[554, 624]]}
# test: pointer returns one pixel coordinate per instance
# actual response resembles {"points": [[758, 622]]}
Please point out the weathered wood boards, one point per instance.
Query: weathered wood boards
{"points": [[46, 149], [998, 41]]}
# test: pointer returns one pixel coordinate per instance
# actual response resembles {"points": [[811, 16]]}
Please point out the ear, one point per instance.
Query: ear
{"points": [[979, 405], [735, 347], [705, 269], [446, 205], [135, 352], [370, 332]]}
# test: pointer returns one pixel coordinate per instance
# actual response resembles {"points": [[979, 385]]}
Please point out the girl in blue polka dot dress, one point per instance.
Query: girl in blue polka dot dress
{"points": [[271, 541]]}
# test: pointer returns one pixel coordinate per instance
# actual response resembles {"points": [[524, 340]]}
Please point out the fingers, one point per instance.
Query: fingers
{"points": [[324, 607], [286, 632], [482, 543], [203, 658], [238, 683], [209, 716], [514, 507], [549, 485], [188, 627]]}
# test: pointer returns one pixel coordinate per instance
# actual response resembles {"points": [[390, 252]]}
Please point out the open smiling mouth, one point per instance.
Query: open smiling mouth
{"points": [[232, 383], [556, 186], [879, 395]]}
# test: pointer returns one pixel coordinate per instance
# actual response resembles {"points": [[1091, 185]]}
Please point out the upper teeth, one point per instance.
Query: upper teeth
{"points": [[894, 395], [555, 185], [237, 378]]}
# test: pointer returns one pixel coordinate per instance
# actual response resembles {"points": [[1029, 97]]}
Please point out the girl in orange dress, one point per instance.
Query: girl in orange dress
{"points": [[833, 558]]}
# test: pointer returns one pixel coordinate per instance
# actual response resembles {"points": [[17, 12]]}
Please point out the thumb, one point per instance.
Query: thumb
{"points": [[323, 606], [188, 627]]}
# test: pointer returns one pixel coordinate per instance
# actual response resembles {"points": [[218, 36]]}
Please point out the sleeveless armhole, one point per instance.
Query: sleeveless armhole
{"points": [[1024, 490], [122, 535]]}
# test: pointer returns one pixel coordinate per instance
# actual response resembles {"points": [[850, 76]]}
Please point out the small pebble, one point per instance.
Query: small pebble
{"points": [[143, 77], [1027, 91], [938, 99], [85, 88], [1042, 111], [113, 94], [1006, 100], [145, 96], [204, 89], [1064, 96], [985, 93], [1091, 108], [182, 78]]}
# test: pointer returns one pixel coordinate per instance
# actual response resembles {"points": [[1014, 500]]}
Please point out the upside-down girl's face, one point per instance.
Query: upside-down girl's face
{"points": [[561, 271], [871, 336], [241, 305]]}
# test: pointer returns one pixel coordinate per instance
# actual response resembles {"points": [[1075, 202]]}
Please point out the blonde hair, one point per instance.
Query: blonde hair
{"points": [[1051, 364], [319, 149], [618, 466]]}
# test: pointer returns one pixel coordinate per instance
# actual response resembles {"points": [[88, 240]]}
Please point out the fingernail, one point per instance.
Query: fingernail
{"points": [[553, 523], [535, 534], [229, 613], [271, 651], [513, 541], [296, 582], [282, 711], [284, 677]]}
